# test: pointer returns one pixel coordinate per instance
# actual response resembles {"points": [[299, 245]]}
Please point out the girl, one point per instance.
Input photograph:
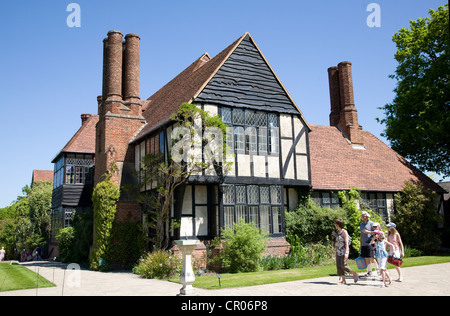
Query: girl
{"points": [[398, 250], [382, 255], [342, 251]]}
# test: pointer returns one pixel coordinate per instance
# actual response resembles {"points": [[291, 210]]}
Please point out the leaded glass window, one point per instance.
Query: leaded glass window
{"points": [[228, 194], [254, 132], [253, 194], [240, 194], [261, 205], [275, 194], [238, 116], [251, 139], [226, 115], [239, 138]]}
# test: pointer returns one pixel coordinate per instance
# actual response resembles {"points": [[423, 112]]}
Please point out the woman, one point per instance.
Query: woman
{"points": [[397, 250], [342, 251]]}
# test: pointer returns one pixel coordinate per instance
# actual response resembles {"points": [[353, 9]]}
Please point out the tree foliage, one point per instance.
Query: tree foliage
{"points": [[417, 217], [25, 224], [418, 120]]}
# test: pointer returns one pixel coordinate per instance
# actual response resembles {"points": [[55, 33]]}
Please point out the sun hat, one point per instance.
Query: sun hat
{"points": [[391, 225], [377, 232], [376, 224]]}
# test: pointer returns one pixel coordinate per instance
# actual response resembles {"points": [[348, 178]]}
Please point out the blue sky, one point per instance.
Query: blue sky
{"points": [[50, 73]]}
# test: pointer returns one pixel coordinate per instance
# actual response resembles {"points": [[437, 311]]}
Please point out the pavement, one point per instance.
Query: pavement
{"points": [[430, 280]]}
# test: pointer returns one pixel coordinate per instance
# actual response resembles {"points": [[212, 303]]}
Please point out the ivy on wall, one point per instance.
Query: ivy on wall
{"points": [[104, 199]]}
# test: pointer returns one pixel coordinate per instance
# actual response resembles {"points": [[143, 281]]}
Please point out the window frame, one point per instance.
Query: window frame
{"points": [[254, 132], [269, 210]]}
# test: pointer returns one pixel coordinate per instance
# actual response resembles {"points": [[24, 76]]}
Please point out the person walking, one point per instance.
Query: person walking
{"points": [[342, 251], [398, 250], [2, 254], [382, 255], [367, 250]]}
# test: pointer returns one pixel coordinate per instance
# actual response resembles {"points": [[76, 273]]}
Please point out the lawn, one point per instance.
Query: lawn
{"points": [[229, 280], [16, 277]]}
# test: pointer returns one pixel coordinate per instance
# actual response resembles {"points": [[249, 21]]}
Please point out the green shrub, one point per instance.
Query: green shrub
{"points": [[310, 254], [66, 241], [312, 223], [128, 244], [82, 222], [412, 252], [242, 248], [158, 265]]}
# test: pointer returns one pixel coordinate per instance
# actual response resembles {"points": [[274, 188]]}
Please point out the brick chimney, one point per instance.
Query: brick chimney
{"points": [[112, 66], [119, 106], [131, 68], [343, 113], [84, 118]]}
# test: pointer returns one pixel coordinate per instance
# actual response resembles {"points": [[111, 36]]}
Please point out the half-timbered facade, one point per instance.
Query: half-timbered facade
{"points": [[267, 137]]}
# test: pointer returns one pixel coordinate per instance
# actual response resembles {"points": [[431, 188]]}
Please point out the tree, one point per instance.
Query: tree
{"points": [[25, 224], [188, 156], [418, 120], [417, 217]]}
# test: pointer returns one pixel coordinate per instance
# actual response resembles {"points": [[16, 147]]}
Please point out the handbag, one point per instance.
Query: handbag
{"points": [[395, 261], [361, 263]]}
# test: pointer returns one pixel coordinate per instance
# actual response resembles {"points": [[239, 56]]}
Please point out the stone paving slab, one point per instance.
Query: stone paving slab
{"points": [[421, 280]]}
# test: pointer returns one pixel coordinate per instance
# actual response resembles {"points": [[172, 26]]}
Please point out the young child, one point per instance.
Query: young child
{"points": [[382, 255], [398, 250]]}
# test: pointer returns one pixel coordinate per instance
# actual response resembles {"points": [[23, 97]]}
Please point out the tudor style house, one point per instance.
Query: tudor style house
{"points": [[274, 151]]}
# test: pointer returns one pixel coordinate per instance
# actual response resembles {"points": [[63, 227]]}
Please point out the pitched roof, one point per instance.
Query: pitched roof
{"points": [[84, 139], [336, 165], [41, 175], [188, 85]]}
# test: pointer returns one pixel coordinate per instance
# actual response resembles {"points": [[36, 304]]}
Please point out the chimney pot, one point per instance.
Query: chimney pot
{"points": [[84, 118]]}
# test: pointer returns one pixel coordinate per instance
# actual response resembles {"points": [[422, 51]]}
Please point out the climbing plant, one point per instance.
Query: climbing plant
{"points": [[104, 199]]}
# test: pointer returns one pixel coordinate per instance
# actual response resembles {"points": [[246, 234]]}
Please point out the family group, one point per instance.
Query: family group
{"points": [[374, 244]]}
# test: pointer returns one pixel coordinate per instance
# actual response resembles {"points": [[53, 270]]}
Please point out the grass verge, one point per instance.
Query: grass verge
{"points": [[229, 280], [16, 277]]}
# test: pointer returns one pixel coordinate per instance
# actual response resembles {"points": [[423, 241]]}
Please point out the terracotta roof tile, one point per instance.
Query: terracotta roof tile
{"points": [[41, 175], [84, 139], [336, 165]]}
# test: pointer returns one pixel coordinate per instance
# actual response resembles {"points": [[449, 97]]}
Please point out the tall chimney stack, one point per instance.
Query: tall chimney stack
{"points": [[131, 68], [343, 111], [112, 67], [335, 99]]}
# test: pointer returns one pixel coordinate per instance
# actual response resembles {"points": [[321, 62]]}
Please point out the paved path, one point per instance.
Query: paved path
{"points": [[422, 280]]}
